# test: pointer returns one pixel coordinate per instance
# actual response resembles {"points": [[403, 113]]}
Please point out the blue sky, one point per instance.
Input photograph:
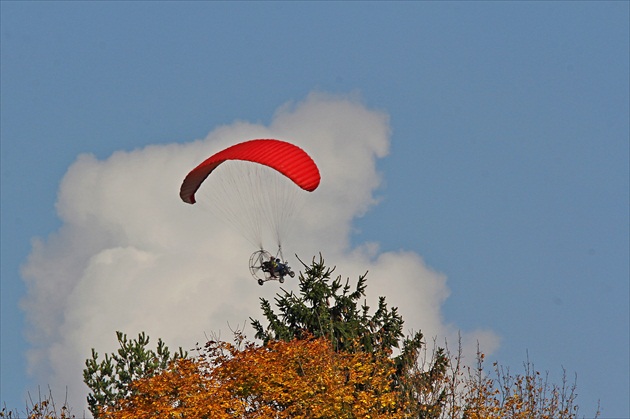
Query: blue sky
{"points": [[506, 169]]}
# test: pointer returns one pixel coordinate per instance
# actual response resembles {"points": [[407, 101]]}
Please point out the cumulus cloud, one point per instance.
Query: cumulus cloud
{"points": [[131, 256]]}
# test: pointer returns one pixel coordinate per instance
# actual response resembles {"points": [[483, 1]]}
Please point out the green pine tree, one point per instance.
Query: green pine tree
{"points": [[326, 307], [110, 378]]}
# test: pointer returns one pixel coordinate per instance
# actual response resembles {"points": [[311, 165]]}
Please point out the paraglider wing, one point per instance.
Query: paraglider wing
{"points": [[286, 158]]}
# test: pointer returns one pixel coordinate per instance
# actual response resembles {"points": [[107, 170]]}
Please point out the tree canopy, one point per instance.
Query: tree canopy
{"points": [[323, 354], [302, 378]]}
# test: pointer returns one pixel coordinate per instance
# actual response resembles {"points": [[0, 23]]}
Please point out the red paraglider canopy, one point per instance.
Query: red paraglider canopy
{"points": [[286, 158]]}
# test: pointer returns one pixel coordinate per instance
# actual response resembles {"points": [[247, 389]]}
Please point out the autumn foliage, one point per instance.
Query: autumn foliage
{"points": [[297, 379]]}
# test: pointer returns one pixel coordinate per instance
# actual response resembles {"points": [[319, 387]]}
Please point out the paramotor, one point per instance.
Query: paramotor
{"points": [[265, 267], [256, 186]]}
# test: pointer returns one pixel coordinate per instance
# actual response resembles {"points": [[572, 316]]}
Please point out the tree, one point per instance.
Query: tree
{"points": [[301, 378], [109, 380], [521, 396], [44, 407], [476, 393], [326, 308]]}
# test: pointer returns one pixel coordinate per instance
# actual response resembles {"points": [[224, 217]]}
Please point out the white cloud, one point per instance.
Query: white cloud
{"points": [[131, 256]]}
